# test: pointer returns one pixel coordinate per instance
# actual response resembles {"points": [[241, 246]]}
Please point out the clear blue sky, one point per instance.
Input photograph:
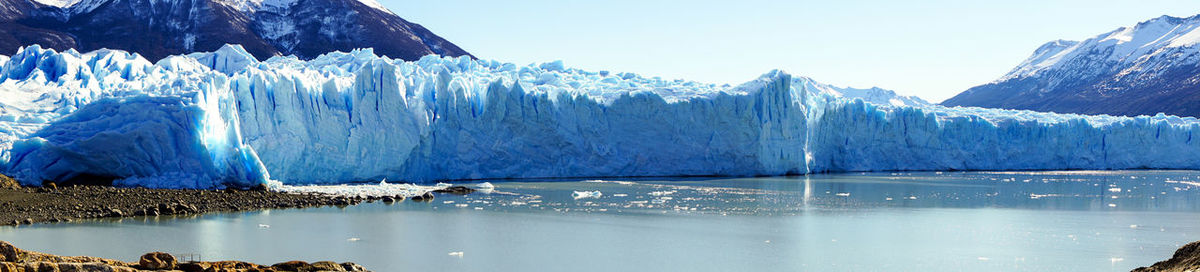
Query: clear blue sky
{"points": [[932, 49]]}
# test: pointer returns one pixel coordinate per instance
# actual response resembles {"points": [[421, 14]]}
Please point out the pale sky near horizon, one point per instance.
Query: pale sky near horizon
{"points": [[931, 49]]}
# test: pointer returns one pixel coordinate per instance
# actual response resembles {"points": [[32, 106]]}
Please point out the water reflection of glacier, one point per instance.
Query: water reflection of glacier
{"points": [[1059, 190]]}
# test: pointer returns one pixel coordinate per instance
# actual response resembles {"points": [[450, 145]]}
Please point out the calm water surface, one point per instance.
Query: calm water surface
{"points": [[980, 221]]}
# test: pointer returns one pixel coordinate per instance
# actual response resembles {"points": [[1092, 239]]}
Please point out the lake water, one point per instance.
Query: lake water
{"points": [[953, 221]]}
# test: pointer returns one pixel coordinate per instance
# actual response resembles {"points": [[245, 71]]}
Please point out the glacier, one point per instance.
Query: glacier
{"points": [[224, 119]]}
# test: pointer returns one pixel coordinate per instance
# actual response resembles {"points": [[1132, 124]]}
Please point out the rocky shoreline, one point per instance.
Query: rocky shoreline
{"points": [[53, 204], [13, 259], [1186, 258], [24, 206]]}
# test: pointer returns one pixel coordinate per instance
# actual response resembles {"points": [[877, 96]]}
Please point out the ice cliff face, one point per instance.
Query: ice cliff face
{"points": [[224, 119]]}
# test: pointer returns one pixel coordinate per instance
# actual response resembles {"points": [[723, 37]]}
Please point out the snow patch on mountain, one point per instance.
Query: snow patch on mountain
{"points": [[376, 5], [58, 3], [1134, 46]]}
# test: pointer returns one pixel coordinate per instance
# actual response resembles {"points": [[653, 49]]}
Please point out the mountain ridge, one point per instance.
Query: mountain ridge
{"points": [[266, 28], [1145, 69]]}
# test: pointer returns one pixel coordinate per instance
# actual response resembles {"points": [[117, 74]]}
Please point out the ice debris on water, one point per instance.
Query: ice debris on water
{"points": [[586, 194], [380, 189]]}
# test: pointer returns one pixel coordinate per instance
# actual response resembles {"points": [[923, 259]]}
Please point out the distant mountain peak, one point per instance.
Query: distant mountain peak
{"points": [[266, 28], [1145, 68]]}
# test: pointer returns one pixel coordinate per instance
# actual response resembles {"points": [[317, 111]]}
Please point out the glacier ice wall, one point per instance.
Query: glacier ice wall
{"points": [[223, 118]]}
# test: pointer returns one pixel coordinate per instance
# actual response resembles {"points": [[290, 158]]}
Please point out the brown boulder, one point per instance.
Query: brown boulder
{"points": [[46, 266], [157, 261], [290, 266], [9, 252], [8, 183], [235, 265], [70, 267], [8, 266], [326, 266]]}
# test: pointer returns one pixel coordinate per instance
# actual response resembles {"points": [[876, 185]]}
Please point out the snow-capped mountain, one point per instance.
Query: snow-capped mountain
{"points": [[214, 119], [265, 28], [1144, 69]]}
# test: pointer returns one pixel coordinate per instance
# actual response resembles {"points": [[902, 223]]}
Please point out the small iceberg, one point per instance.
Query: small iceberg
{"points": [[484, 187], [586, 194]]}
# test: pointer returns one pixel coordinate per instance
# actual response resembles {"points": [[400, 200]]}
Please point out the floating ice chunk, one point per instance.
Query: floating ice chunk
{"points": [[353, 239], [456, 254], [611, 181], [264, 226], [381, 189], [662, 193], [586, 194], [842, 194], [484, 187]]}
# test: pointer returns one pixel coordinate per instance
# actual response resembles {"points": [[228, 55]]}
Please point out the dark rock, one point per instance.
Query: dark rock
{"points": [[185, 208], [113, 212], [157, 261], [27, 221], [8, 252], [47, 266], [388, 200], [427, 196], [194, 267], [290, 266], [260, 187], [50, 185], [353, 267], [149, 211], [457, 190], [166, 209]]}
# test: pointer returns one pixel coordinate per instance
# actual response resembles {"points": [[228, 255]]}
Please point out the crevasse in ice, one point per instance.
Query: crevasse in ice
{"points": [[210, 120]]}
